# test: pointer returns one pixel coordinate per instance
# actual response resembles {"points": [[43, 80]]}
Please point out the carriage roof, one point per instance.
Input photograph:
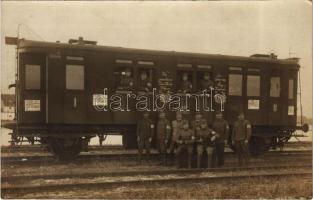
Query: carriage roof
{"points": [[258, 58]]}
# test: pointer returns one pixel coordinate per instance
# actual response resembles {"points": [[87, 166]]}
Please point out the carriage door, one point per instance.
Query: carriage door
{"points": [[235, 101], [31, 94], [291, 107], [75, 88], [275, 99], [254, 98], [220, 75], [145, 82], [205, 82]]}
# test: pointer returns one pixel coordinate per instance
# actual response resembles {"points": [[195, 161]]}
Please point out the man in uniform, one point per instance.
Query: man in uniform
{"points": [[145, 130], [220, 126], [163, 135], [144, 83], [101, 139], [127, 81], [186, 85], [205, 138], [185, 140], [206, 83], [196, 122], [176, 127], [240, 138]]}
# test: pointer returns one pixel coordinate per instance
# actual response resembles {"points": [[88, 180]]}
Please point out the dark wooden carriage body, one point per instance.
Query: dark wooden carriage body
{"points": [[61, 109]]}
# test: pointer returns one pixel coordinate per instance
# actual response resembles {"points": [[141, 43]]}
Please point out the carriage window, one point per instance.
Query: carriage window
{"points": [[253, 86], [187, 65], [122, 61], [145, 62], [275, 87], [235, 84], [124, 78], [32, 77], [145, 80], [75, 77], [290, 88], [185, 80], [204, 80]]}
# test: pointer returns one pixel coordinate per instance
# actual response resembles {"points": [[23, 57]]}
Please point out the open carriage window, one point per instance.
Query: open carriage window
{"points": [[75, 77], [145, 80], [253, 86], [32, 77], [204, 80], [275, 87], [235, 85], [185, 81], [124, 78]]}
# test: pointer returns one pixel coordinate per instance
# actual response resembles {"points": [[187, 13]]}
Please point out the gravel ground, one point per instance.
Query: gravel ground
{"points": [[130, 165], [292, 187], [285, 187]]}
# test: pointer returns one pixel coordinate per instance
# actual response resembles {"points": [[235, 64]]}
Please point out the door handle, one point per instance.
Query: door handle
{"points": [[74, 102]]}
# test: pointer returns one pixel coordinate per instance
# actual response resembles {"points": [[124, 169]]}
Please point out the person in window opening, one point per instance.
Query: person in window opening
{"points": [[127, 81], [144, 83], [186, 85], [206, 83]]}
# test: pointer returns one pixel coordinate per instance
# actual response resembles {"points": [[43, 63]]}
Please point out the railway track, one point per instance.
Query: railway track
{"points": [[125, 155], [85, 157], [39, 148], [24, 184]]}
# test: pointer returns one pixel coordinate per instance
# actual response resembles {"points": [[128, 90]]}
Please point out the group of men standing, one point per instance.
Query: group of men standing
{"points": [[173, 138]]}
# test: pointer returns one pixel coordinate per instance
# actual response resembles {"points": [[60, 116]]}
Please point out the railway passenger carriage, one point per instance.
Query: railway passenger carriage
{"points": [[58, 85]]}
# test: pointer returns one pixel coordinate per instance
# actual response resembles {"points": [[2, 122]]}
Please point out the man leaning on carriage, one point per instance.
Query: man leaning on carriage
{"points": [[179, 140]]}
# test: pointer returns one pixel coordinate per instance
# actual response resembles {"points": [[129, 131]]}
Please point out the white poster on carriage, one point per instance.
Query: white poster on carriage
{"points": [[32, 105], [253, 104]]}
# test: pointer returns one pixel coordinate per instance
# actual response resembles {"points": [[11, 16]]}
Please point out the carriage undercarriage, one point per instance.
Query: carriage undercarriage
{"points": [[66, 145]]}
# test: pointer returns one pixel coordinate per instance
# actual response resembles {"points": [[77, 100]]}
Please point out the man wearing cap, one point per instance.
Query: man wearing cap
{"points": [[144, 83], [127, 81], [240, 138], [205, 139], [176, 127], [163, 135], [145, 130], [206, 83], [186, 85], [185, 140], [221, 127], [196, 122]]}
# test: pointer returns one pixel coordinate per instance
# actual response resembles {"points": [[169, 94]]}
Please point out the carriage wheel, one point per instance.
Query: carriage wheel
{"points": [[129, 141], [15, 140], [258, 146], [66, 149]]}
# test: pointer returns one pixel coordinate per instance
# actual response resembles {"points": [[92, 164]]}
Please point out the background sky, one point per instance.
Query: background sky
{"points": [[233, 28]]}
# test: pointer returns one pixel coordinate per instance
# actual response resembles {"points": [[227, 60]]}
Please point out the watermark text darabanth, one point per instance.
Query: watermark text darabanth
{"points": [[206, 100]]}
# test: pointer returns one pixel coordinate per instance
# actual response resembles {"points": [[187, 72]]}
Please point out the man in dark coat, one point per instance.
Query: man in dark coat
{"points": [[145, 130], [163, 135], [185, 140], [221, 127], [205, 139], [240, 138]]}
